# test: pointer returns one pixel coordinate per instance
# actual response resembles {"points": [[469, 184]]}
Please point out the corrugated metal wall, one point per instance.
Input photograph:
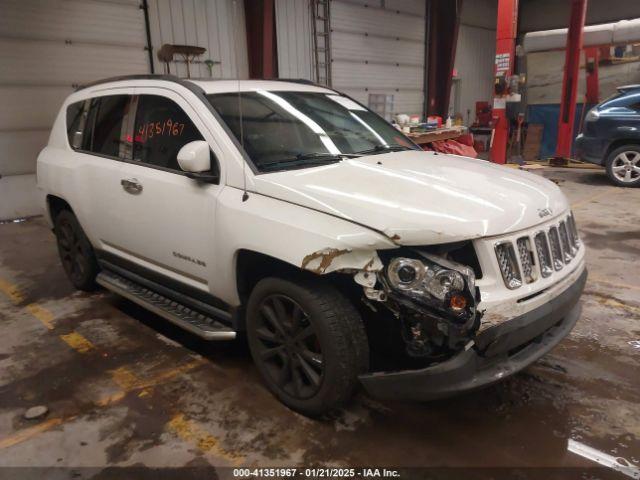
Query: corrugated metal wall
{"points": [[294, 39], [378, 47], [47, 47], [475, 54], [217, 25]]}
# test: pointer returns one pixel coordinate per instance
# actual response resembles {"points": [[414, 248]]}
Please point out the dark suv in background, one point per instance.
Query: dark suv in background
{"points": [[611, 136]]}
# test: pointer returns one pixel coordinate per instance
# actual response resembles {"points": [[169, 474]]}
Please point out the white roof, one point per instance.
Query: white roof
{"points": [[225, 86]]}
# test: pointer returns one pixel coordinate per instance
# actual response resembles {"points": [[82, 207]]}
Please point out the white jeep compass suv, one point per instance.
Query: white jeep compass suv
{"points": [[293, 214]]}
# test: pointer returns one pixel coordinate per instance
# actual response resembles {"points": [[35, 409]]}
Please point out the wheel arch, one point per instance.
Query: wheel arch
{"points": [[621, 142], [252, 266], [55, 205]]}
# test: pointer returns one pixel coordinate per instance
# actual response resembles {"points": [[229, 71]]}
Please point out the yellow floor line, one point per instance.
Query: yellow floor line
{"points": [[31, 432], [125, 378], [111, 399], [77, 342], [190, 432], [42, 314], [597, 279], [612, 302], [12, 291]]}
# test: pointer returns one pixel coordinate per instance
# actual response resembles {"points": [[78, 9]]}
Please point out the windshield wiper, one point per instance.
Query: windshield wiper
{"points": [[304, 159], [384, 148]]}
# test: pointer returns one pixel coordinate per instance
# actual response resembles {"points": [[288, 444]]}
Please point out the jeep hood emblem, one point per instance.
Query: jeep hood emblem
{"points": [[544, 212]]}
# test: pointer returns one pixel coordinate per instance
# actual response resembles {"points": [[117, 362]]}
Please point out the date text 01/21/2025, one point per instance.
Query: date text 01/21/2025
{"points": [[315, 472]]}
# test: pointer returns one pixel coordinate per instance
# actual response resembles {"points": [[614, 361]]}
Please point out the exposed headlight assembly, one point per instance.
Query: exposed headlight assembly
{"points": [[435, 281]]}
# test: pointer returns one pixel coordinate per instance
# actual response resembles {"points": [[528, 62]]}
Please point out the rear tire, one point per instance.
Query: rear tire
{"points": [[623, 166], [76, 253], [308, 342]]}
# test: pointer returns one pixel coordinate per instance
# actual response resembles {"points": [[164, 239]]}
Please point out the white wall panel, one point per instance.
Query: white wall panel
{"points": [[38, 62], [46, 48], [20, 149], [217, 25], [403, 101], [406, 6], [18, 197], [74, 21], [347, 46], [25, 107], [380, 50], [348, 17], [294, 39], [475, 55], [367, 76]]}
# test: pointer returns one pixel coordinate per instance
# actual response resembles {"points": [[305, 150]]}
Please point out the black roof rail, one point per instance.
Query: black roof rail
{"points": [[303, 81], [183, 81], [142, 76]]}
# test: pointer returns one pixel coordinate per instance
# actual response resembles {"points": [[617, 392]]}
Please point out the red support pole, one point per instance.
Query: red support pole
{"points": [[570, 79], [505, 56]]}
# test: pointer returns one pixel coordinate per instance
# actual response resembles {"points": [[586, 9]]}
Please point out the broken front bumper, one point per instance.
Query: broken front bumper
{"points": [[498, 352]]}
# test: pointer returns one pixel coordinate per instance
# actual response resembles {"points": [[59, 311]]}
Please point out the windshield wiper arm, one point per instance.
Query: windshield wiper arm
{"points": [[302, 160], [311, 158], [320, 155], [384, 148]]}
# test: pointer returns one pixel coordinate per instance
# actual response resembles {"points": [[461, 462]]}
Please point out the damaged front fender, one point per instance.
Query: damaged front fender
{"points": [[335, 259]]}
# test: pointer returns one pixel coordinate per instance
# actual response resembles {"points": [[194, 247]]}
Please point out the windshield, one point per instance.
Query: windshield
{"points": [[285, 130]]}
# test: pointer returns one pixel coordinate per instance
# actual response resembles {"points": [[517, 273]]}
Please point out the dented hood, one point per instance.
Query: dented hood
{"points": [[420, 197]]}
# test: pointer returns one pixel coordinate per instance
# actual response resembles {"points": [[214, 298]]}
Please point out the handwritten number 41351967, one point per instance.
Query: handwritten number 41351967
{"points": [[152, 129]]}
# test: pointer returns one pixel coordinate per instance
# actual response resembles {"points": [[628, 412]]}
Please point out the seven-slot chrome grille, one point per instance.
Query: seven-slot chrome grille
{"points": [[537, 254]]}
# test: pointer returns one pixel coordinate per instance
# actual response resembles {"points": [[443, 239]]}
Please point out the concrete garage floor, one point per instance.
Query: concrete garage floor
{"points": [[125, 388]]}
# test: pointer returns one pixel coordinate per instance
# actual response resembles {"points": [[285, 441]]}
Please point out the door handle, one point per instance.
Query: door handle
{"points": [[131, 185]]}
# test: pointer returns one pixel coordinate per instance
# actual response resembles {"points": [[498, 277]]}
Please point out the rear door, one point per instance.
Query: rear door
{"points": [[98, 134], [166, 219]]}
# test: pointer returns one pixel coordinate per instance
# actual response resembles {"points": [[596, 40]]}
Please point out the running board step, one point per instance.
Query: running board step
{"points": [[191, 320]]}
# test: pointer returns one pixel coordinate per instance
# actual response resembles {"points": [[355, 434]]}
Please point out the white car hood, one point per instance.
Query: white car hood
{"points": [[421, 198]]}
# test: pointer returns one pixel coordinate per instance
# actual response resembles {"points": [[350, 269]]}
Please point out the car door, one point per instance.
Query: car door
{"points": [[166, 219], [97, 131]]}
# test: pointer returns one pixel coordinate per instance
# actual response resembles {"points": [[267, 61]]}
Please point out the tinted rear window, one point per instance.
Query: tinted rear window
{"points": [[98, 126], [76, 120], [109, 136]]}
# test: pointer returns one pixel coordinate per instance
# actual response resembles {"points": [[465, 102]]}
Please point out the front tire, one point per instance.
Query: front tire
{"points": [[623, 166], [308, 343], [76, 253]]}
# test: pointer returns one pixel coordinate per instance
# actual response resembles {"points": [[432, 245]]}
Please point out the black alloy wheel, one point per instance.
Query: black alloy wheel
{"points": [[288, 347], [307, 340], [71, 251], [76, 253]]}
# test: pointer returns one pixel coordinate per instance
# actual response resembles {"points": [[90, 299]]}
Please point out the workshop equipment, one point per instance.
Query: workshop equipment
{"points": [[188, 53]]}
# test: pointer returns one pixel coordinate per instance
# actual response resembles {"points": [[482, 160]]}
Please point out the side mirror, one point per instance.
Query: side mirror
{"points": [[195, 159]]}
